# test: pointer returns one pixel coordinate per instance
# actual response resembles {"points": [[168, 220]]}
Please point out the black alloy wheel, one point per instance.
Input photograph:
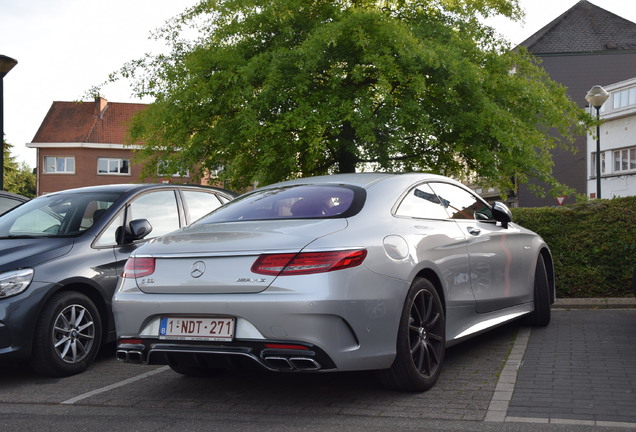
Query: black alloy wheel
{"points": [[541, 315], [421, 341]]}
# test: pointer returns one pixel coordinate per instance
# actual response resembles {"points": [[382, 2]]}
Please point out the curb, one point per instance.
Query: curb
{"points": [[595, 303]]}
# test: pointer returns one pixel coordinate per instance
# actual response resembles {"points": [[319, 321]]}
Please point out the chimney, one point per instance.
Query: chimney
{"points": [[100, 106]]}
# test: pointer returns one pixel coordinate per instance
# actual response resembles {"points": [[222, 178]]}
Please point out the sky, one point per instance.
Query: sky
{"points": [[65, 47]]}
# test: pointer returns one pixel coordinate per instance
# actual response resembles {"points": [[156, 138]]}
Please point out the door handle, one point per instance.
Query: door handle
{"points": [[474, 231]]}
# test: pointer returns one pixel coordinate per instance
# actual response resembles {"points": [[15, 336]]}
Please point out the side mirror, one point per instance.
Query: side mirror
{"points": [[502, 214], [139, 228]]}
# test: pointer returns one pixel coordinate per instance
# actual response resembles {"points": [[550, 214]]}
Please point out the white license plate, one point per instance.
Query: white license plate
{"points": [[207, 329]]}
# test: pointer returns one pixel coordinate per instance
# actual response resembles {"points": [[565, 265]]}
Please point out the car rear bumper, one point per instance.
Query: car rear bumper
{"points": [[269, 355], [353, 321]]}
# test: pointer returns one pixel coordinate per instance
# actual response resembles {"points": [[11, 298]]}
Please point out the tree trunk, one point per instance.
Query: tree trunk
{"points": [[347, 158]]}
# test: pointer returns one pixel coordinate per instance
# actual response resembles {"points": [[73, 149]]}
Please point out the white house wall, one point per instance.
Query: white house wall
{"points": [[618, 131]]}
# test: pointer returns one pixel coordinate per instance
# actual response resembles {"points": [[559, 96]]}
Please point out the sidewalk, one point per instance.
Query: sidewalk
{"points": [[595, 303], [578, 370]]}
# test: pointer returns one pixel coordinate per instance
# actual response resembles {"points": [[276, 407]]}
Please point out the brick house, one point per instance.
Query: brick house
{"points": [[583, 47], [82, 144]]}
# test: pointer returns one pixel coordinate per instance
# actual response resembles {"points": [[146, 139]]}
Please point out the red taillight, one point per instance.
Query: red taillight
{"points": [[139, 267], [307, 262], [131, 341]]}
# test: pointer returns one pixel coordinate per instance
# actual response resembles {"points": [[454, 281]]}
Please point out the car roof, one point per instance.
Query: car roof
{"points": [[133, 188], [364, 180], [12, 195]]}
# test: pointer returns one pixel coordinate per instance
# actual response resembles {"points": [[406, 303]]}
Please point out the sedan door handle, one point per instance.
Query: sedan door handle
{"points": [[474, 231]]}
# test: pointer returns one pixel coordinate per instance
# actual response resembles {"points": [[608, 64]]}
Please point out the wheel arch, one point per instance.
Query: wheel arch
{"points": [[93, 294], [432, 276], [549, 267]]}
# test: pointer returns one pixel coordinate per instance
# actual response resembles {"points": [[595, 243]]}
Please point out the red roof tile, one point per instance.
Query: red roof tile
{"points": [[84, 122]]}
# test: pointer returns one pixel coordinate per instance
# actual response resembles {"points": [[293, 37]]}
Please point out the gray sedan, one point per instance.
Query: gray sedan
{"points": [[60, 257], [336, 273]]}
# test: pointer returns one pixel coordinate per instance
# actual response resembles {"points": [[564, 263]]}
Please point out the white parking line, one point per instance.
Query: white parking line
{"points": [[114, 386]]}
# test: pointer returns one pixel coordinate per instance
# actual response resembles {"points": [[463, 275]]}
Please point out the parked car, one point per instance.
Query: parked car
{"points": [[10, 200], [60, 258], [336, 273]]}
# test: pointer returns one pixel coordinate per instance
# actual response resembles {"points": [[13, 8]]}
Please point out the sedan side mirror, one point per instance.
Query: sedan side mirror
{"points": [[139, 228], [502, 214]]}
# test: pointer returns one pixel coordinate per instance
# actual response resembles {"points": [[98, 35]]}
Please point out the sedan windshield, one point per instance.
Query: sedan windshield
{"points": [[293, 202], [57, 215]]}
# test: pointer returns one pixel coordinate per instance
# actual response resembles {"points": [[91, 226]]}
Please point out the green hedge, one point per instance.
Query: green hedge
{"points": [[593, 244]]}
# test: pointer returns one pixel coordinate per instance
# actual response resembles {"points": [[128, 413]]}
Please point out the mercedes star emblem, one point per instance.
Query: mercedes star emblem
{"points": [[197, 269]]}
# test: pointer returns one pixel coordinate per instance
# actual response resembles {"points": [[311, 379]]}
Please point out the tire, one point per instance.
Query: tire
{"points": [[421, 341], [67, 336], [541, 315]]}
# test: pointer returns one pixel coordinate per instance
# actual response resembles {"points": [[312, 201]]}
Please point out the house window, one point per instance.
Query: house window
{"points": [[162, 168], [113, 166], [59, 165], [624, 160], [624, 98], [594, 164]]}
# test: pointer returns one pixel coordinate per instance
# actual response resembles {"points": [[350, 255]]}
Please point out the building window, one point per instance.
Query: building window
{"points": [[624, 160], [162, 168], [59, 165], [113, 166], [624, 98], [603, 165]]}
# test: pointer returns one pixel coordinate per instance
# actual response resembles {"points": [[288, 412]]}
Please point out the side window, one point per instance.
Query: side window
{"points": [[109, 235], [461, 204], [160, 208], [421, 202], [200, 203]]}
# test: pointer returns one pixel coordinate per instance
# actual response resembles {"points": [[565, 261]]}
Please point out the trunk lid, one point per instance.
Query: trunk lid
{"points": [[217, 258]]}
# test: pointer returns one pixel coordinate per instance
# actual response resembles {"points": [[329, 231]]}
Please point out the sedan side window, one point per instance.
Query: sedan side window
{"points": [[200, 203], [461, 204], [159, 208], [109, 236], [421, 202]]}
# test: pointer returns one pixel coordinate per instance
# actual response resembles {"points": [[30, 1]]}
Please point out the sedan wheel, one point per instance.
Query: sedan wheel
{"points": [[541, 315], [421, 341], [67, 336]]}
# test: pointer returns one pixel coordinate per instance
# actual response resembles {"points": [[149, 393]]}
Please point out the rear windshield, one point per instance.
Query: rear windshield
{"points": [[56, 215], [293, 202]]}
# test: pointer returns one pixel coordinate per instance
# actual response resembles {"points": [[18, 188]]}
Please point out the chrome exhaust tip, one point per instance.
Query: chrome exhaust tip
{"points": [[279, 363], [304, 364], [135, 357]]}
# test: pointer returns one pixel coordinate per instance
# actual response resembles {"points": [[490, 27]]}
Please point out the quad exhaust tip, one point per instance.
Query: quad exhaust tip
{"points": [[129, 356], [279, 363], [292, 363]]}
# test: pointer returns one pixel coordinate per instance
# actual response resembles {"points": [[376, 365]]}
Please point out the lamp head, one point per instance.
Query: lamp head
{"points": [[597, 96]]}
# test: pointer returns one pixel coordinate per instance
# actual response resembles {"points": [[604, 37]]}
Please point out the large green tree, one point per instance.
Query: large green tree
{"points": [[276, 89]]}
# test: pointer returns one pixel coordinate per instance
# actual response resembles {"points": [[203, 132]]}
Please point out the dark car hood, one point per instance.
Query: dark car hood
{"points": [[20, 253]]}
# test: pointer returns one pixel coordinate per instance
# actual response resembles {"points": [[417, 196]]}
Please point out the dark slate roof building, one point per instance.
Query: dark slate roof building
{"points": [[583, 47]]}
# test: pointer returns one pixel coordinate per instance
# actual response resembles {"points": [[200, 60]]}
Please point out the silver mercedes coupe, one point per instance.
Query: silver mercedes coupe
{"points": [[336, 273]]}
